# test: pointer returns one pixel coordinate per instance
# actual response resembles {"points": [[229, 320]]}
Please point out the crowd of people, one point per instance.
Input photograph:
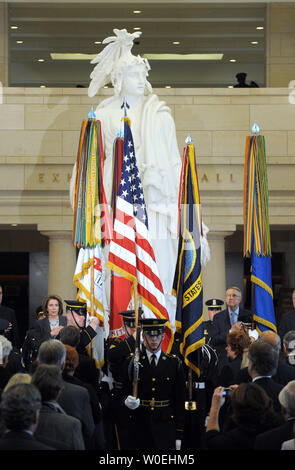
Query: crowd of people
{"points": [[53, 396]]}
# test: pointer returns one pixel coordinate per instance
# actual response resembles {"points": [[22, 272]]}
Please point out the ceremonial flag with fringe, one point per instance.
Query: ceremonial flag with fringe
{"points": [[131, 254], [187, 285], [92, 227], [257, 231], [87, 258]]}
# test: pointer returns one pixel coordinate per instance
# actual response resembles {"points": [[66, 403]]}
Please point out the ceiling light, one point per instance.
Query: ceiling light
{"points": [[183, 56], [136, 28], [97, 42], [168, 86], [232, 60], [80, 56], [254, 42], [176, 42], [13, 27], [259, 27], [136, 11], [19, 42], [230, 86], [14, 225], [41, 60], [42, 86], [106, 86]]}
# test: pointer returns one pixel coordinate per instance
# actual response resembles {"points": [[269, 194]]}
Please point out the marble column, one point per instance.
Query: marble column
{"points": [[61, 264], [213, 274], [4, 50]]}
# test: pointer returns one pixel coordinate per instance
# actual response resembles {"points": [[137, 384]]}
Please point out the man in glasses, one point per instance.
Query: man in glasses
{"points": [[232, 318]]}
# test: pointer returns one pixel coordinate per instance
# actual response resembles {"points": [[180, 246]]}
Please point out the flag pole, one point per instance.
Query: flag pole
{"points": [[92, 285], [137, 343]]}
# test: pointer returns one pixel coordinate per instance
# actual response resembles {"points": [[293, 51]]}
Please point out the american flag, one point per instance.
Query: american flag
{"points": [[131, 254]]}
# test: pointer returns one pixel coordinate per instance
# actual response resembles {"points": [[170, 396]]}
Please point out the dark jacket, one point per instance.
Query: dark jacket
{"points": [[12, 335], [284, 374], [42, 327], [59, 426], [274, 438], [272, 389], [230, 372], [76, 402], [287, 323], [220, 329], [21, 440]]}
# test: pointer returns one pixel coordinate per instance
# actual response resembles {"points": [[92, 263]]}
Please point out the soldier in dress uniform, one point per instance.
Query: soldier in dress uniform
{"points": [[214, 306], [118, 351], [156, 414], [76, 313]]}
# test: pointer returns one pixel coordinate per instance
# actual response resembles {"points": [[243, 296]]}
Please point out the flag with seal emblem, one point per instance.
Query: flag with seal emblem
{"points": [[187, 285]]}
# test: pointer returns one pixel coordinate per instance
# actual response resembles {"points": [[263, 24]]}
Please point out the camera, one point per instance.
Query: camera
{"points": [[226, 391]]}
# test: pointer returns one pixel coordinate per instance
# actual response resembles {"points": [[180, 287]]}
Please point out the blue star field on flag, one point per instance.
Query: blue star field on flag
{"points": [[130, 185]]}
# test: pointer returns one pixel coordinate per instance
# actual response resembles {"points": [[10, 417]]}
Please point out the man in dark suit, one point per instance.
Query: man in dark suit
{"points": [[289, 348], [74, 399], [263, 363], [11, 332], [230, 318], [20, 405], [273, 439], [284, 373], [287, 322]]}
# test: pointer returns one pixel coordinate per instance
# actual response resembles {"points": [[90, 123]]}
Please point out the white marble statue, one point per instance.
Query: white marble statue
{"points": [[155, 143], [156, 148]]}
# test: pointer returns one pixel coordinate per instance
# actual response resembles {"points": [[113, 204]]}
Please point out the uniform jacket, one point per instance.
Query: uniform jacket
{"points": [[13, 335], [158, 426]]}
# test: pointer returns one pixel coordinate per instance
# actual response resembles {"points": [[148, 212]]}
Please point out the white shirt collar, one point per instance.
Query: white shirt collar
{"points": [[234, 311], [261, 377], [157, 354]]}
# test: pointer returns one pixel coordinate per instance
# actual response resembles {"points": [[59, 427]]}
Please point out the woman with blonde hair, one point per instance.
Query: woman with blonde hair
{"points": [[18, 378]]}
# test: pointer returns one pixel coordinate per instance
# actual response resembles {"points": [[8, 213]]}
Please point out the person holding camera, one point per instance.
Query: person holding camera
{"points": [[251, 414]]}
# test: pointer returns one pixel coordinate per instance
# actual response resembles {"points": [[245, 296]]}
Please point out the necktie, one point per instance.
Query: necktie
{"points": [[233, 317], [153, 361]]}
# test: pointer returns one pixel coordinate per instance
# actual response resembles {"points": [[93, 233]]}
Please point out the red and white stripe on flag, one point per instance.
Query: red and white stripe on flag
{"points": [[131, 255]]}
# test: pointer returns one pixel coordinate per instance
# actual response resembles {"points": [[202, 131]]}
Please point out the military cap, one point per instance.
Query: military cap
{"points": [[214, 304], [80, 308], [128, 317], [153, 326], [4, 324]]}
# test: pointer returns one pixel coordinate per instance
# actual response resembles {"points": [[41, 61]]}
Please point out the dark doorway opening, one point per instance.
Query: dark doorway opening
{"points": [[14, 277]]}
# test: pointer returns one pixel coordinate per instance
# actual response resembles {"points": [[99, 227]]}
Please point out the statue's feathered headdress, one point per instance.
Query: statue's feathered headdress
{"points": [[117, 51]]}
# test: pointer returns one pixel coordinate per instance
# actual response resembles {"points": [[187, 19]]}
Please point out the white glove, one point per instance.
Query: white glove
{"points": [[178, 444], [131, 402]]}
